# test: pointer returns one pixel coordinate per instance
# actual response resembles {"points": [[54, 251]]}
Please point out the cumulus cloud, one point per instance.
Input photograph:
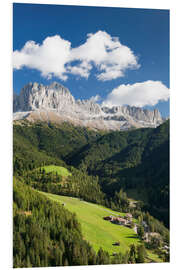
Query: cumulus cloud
{"points": [[138, 94], [49, 58], [56, 57]]}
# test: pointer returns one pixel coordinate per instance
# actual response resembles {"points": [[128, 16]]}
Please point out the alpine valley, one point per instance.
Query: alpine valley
{"points": [[91, 183]]}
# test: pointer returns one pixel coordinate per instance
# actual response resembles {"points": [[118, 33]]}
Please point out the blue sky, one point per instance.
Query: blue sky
{"points": [[139, 36]]}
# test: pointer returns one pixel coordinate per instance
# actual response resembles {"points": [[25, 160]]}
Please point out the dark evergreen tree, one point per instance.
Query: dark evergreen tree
{"points": [[141, 253], [132, 254], [140, 231]]}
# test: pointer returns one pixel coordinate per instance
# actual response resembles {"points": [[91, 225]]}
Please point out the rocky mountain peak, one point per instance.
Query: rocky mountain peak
{"points": [[34, 96]]}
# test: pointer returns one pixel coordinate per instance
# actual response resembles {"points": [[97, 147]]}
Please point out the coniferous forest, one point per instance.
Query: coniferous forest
{"points": [[105, 168]]}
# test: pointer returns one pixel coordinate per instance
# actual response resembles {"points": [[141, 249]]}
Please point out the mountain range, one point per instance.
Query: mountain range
{"points": [[54, 103]]}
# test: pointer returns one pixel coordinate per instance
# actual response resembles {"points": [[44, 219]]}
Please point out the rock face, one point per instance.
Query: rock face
{"points": [[36, 96], [54, 103]]}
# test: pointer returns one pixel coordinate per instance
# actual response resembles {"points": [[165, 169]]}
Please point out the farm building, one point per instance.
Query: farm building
{"points": [[119, 221]]}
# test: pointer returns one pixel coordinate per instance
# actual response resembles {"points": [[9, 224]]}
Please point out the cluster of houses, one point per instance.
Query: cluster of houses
{"points": [[126, 220]]}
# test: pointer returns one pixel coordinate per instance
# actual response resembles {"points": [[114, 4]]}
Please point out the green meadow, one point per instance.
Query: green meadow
{"points": [[97, 231], [56, 169]]}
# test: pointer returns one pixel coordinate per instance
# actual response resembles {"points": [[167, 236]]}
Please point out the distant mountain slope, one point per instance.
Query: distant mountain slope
{"points": [[56, 141], [137, 159], [128, 146], [55, 104]]}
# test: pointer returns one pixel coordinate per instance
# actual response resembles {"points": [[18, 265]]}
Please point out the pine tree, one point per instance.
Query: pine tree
{"points": [[132, 254], [140, 231], [28, 262], [141, 253]]}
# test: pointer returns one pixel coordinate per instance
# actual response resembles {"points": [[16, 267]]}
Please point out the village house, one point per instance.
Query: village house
{"points": [[126, 221], [155, 234], [148, 235], [116, 220], [120, 220], [129, 216]]}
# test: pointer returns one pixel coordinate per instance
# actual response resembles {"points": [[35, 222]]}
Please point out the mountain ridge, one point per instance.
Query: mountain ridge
{"points": [[55, 103]]}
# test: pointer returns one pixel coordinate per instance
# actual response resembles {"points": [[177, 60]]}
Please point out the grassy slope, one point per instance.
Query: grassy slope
{"points": [[99, 232], [60, 170]]}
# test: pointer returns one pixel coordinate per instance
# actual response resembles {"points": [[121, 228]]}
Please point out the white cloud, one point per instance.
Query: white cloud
{"points": [[49, 58], [56, 57], [138, 94], [82, 69]]}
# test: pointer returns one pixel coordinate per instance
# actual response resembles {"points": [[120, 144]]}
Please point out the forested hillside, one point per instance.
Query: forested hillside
{"points": [[55, 140], [46, 234], [136, 161], [129, 148], [99, 167]]}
